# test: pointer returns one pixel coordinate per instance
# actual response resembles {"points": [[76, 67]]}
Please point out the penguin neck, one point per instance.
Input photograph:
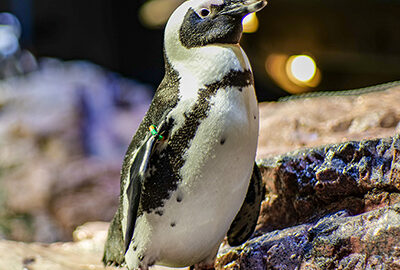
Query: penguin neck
{"points": [[207, 64]]}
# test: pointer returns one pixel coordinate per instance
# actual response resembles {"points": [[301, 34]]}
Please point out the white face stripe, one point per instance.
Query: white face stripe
{"points": [[197, 4]]}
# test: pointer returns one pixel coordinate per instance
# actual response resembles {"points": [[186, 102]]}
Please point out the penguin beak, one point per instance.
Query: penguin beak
{"points": [[240, 8]]}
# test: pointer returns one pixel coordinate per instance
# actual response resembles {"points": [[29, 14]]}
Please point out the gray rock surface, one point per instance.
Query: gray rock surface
{"points": [[330, 207], [306, 184], [337, 241]]}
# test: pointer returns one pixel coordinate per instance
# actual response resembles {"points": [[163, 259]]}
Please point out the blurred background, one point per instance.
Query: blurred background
{"points": [[76, 78], [352, 43]]}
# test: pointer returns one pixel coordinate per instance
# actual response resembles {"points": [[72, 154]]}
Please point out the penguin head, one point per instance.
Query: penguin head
{"points": [[198, 23]]}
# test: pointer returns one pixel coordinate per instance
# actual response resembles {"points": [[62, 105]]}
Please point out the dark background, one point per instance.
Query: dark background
{"points": [[355, 43]]}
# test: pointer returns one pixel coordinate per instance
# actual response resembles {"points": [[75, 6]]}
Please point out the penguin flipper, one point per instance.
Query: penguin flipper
{"points": [[245, 221], [136, 179], [113, 248]]}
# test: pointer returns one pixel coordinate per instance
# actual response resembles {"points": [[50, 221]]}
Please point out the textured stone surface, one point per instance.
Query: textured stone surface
{"points": [[286, 126], [337, 241], [306, 184], [328, 207]]}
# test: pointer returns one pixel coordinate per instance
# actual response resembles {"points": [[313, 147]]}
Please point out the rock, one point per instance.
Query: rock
{"points": [[86, 190], [326, 208], [289, 125], [337, 241], [64, 129], [84, 253], [305, 184]]}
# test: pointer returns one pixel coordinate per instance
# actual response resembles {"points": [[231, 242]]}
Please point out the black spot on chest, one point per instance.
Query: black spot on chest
{"points": [[179, 198]]}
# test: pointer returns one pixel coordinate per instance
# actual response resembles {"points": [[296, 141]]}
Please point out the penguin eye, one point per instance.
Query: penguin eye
{"points": [[204, 12]]}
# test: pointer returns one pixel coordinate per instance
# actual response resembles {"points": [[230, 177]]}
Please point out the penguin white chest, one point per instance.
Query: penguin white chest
{"points": [[215, 177]]}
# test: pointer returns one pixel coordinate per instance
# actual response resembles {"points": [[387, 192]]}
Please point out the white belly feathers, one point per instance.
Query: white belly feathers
{"points": [[215, 180]]}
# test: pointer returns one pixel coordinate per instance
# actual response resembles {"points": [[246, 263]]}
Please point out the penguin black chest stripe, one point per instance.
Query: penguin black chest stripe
{"points": [[165, 165], [166, 96]]}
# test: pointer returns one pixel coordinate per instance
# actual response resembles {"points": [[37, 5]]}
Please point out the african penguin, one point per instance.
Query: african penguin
{"points": [[189, 176]]}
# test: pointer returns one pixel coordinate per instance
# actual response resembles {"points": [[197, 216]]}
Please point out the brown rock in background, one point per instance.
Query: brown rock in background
{"points": [[289, 125]]}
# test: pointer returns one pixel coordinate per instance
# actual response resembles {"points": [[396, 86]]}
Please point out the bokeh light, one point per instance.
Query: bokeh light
{"points": [[250, 23], [295, 74], [10, 31], [8, 41], [302, 67]]}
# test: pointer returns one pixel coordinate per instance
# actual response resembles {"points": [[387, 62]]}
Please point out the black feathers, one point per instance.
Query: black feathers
{"points": [[196, 31], [137, 174], [245, 221]]}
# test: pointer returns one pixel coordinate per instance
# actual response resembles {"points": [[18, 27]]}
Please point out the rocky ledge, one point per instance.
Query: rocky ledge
{"points": [[331, 207], [337, 241]]}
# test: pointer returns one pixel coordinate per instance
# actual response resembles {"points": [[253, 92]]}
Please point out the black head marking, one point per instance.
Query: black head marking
{"points": [[217, 23], [222, 141], [215, 28]]}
